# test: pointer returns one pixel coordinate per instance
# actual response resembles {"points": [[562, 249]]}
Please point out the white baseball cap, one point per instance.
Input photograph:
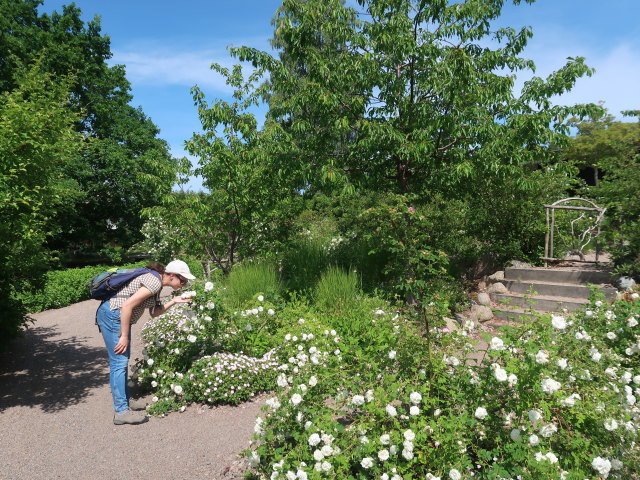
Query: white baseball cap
{"points": [[180, 268]]}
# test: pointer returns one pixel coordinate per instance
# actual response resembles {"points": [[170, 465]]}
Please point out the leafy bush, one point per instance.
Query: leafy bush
{"points": [[64, 287], [180, 345], [229, 378], [555, 398], [618, 191]]}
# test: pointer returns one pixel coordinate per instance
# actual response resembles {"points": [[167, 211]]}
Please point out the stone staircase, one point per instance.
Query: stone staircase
{"points": [[534, 289]]}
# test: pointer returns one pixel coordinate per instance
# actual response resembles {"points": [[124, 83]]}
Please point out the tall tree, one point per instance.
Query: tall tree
{"points": [[127, 168], [409, 96], [36, 138], [250, 203]]}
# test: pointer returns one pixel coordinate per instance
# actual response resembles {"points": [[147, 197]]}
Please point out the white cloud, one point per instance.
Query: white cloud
{"points": [[166, 67]]}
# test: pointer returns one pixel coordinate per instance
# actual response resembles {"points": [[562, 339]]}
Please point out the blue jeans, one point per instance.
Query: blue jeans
{"points": [[109, 324]]}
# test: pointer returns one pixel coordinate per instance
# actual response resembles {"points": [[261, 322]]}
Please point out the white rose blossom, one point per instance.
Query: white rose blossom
{"points": [[481, 413], [497, 344], [610, 424], [602, 466], [367, 462], [542, 357], [550, 386], [558, 322], [314, 439], [499, 372], [415, 398]]}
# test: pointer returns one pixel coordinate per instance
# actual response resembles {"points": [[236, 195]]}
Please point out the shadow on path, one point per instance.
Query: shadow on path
{"points": [[44, 369]]}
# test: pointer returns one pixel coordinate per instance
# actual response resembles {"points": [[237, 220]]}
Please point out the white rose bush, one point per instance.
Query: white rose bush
{"points": [[370, 393], [199, 352], [536, 405]]}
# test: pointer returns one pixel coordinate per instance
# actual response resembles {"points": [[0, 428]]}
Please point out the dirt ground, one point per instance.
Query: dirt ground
{"points": [[56, 414]]}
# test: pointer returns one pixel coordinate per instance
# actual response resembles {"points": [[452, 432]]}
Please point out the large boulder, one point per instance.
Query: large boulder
{"points": [[625, 283], [452, 324]]}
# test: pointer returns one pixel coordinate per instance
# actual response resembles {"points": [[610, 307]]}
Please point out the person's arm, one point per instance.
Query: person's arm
{"points": [[125, 317], [160, 309]]}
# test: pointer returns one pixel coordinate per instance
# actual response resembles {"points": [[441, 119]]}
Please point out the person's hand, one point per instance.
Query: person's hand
{"points": [[122, 345], [179, 299]]}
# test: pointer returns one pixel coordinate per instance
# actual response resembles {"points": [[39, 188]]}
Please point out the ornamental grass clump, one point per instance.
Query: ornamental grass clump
{"points": [[554, 398], [245, 280], [336, 289]]}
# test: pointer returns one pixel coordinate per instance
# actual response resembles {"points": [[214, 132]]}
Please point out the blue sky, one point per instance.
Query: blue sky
{"points": [[167, 48]]}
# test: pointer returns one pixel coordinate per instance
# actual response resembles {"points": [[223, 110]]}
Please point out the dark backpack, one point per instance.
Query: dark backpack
{"points": [[109, 283]]}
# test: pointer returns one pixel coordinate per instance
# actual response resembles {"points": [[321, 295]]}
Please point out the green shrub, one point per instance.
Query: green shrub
{"points": [[554, 398], [229, 378], [248, 279], [336, 290], [64, 287]]}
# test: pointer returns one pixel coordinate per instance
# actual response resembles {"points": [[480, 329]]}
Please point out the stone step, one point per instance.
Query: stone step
{"points": [[543, 303], [578, 277], [515, 314], [535, 288]]}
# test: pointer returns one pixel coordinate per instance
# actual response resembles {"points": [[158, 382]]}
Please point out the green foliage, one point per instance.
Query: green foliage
{"points": [[407, 97], [246, 279], [126, 167], [336, 289], [540, 403], [363, 393], [36, 136], [250, 204], [229, 378], [304, 261], [401, 231], [61, 288], [612, 148]]}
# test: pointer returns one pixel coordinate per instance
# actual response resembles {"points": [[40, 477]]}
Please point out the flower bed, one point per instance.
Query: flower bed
{"points": [[552, 399], [367, 394]]}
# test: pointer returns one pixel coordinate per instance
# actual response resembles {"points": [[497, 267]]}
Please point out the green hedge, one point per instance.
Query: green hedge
{"points": [[64, 287]]}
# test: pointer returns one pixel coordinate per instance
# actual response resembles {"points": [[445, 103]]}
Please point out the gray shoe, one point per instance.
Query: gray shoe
{"points": [[138, 404], [129, 417]]}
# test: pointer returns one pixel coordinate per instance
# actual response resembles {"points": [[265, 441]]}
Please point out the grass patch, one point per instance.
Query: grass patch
{"points": [[247, 280], [337, 289]]}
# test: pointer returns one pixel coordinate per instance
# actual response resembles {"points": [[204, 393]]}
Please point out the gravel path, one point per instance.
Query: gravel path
{"points": [[56, 414]]}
